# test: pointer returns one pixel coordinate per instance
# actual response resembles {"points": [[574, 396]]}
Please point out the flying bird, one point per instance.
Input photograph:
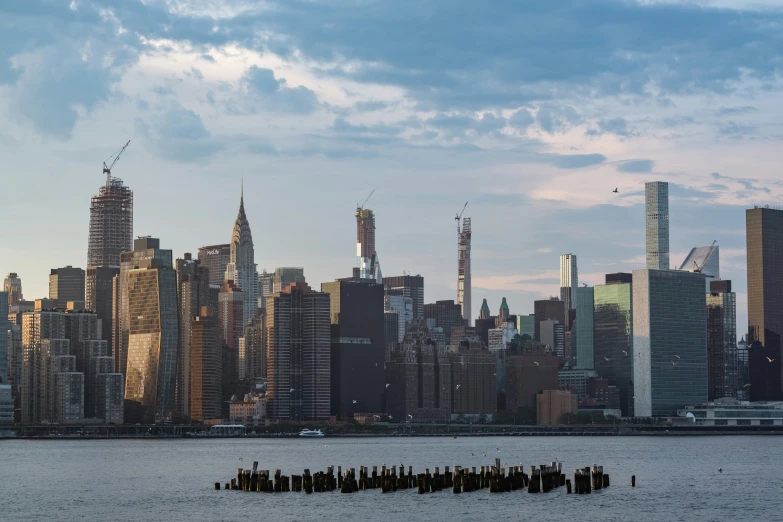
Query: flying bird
{"points": [[746, 385], [674, 363], [771, 360], [354, 401], [387, 384], [292, 390], [624, 353], [536, 363], [409, 415], [677, 356], [616, 191], [720, 470], [607, 359], [458, 386]]}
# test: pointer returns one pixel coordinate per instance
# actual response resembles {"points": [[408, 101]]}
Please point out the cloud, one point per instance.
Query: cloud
{"points": [[573, 161], [734, 130], [275, 94], [617, 126], [179, 134], [639, 166], [545, 250], [729, 111], [557, 119]]}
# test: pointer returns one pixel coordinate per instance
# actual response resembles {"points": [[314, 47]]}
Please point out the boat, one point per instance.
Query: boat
{"points": [[311, 433]]}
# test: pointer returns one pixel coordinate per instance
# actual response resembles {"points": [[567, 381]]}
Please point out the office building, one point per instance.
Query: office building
{"points": [[391, 329], [153, 339], [500, 337], [241, 268], [358, 346], [5, 327], [613, 323], [99, 363], [529, 369], [145, 250], [547, 309], [12, 285], [464, 294], [206, 372], [576, 381], [231, 327], [722, 377], [15, 358], [298, 354], [445, 314], [554, 405], [265, 287], [252, 357], [473, 380], [6, 405], [656, 206], [705, 260], [367, 263], [732, 412], [411, 286], [111, 223], [215, 258], [553, 336], [98, 288], [192, 296], [394, 301], [569, 283], [764, 236], [66, 284], [285, 276], [670, 341], [526, 325], [110, 402], [585, 309]]}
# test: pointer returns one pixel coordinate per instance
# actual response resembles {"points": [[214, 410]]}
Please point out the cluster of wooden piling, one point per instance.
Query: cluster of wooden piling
{"points": [[496, 478]]}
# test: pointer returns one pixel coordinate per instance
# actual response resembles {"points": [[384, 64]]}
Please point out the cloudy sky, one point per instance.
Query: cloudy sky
{"points": [[531, 111]]}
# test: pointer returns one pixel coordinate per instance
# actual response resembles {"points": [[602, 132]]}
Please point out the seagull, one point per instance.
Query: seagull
{"points": [[677, 356], [354, 401], [746, 385], [771, 360], [458, 386], [409, 415], [536, 363], [624, 353], [616, 191], [720, 470], [674, 363], [485, 453], [291, 390], [387, 384], [607, 359]]}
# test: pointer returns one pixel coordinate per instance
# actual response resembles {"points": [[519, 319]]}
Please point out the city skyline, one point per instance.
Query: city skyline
{"points": [[192, 104]]}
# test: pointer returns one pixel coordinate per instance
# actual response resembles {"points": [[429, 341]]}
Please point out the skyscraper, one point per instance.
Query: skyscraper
{"points": [[669, 340], [410, 286], [231, 324], [723, 377], [205, 370], [66, 284], [192, 296], [656, 204], [111, 223], [242, 266], [366, 257], [548, 309], [444, 314], [253, 357], [298, 354], [569, 282], [394, 301], [265, 286], [153, 339], [585, 310], [215, 258], [98, 284], [5, 327], [764, 236], [706, 260], [12, 285], [284, 276], [463, 269]]}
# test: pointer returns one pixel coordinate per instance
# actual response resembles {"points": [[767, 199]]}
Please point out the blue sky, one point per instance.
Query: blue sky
{"points": [[532, 111]]}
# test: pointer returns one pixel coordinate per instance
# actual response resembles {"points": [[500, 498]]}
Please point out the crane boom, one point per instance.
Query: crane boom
{"points": [[696, 267], [459, 216], [107, 168], [361, 207]]}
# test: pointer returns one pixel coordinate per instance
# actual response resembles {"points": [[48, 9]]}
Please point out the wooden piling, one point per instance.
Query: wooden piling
{"points": [[606, 481], [633, 481], [568, 486]]}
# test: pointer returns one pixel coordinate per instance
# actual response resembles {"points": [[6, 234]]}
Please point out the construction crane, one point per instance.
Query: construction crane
{"points": [[107, 168], [696, 266], [459, 216], [361, 207]]}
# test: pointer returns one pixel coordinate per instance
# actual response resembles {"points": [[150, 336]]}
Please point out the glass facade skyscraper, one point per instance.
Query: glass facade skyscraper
{"points": [[669, 341], [656, 204], [569, 282], [723, 377], [585, 327], [613, 353]]}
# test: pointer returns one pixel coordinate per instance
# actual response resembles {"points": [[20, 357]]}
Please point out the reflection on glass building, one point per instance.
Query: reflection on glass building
{"points": [[613, 338], [669, 340], [723, 378], [152, 340]]}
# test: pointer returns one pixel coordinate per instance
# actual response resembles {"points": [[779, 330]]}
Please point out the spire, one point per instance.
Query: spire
{"points": [[484, 312], [503, 314]]}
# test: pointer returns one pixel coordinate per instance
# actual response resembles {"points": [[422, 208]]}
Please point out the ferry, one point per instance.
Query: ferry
{"points": [[311, 433]]}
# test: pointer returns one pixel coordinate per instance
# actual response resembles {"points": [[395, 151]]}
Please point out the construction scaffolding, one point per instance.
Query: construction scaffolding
{"points": [[111, 224], [463, 269]]}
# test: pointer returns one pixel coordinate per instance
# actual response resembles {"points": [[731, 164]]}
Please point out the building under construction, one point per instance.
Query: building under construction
{"points": [[111, 220], [463, 268], [368, 266]]}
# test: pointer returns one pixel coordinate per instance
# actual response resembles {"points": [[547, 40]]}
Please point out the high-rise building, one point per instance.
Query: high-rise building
{"points": [[764, 236], [265, 287], [12, 285], [192, 296], [358, 346], [242, 266], [66, 284], [613, 337], [499, 337], [553, 336], [215, 258], [15, 358], [529, 370], [5, 327], [463, 269], [526, 325], [110, 401], [670, 341], [548, 309], [231, 325], [98, 287], [206, 359], [145, 250], [444, 314], [411, 286], [656, 205], [395, 301], [569, 282], [153, 339], [99, 363], [722, 377], [366, 256], [474, 380], [111, 223], [585, 309], [252, 356], [484, 312], [298, 354], [286, 275], [706, 260]]}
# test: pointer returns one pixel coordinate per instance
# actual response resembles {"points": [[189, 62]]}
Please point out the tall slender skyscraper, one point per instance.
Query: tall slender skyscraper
{"points": [[12, 285], [463, 269], [242, 267], [656, 205], [723, 376], [569, 282], [365, 241], [111, 223], [764, 235]]}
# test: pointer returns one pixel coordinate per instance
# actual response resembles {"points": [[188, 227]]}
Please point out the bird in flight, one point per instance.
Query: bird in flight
{"points": [[624, 353], [354, 401], [746, 385], [720, 470], [771, 360], [387, 385], [409, 415], [616, 191], [674, 363], [458, 386], [607, 359], [677, 356], [291, 390], [536, 363]]}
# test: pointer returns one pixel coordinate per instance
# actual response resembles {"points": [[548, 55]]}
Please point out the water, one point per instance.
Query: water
{"points": [[150, 480]]}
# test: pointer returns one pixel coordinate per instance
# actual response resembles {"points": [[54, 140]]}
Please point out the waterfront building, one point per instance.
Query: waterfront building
{"points": [[298, 353], [722, 377], [241, 268], [410, 286], [98, 289], [358, 346], [111, 223], [473, 380], [206, 372], [547, 309], [613, 323], [15, 358], [528, 370], [252, 357], [251, 411], [764, 237], [553, 405], [585, 324], [99, 363], [705, 260], [6, 405], [215, 258], [669, 340], [5, 326], [569, 283], [110, 402], [732, 412], [656, 206]]}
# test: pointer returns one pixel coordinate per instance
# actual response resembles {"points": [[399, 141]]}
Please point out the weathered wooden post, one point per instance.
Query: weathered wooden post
{"points": [[633, 481], [606, 481], [455, 481], [217, 486], [568, 486]]}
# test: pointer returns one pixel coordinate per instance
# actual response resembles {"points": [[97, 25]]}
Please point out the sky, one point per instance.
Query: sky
{"points": [[533, 112]]}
